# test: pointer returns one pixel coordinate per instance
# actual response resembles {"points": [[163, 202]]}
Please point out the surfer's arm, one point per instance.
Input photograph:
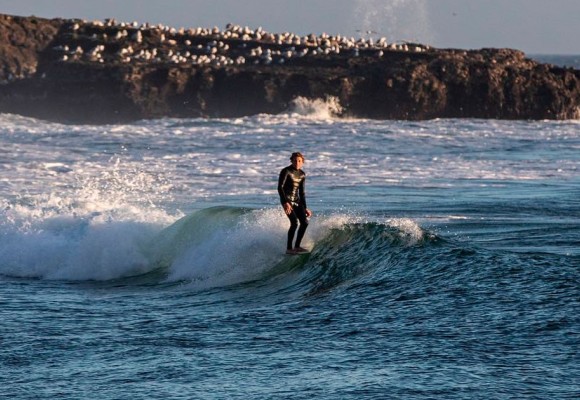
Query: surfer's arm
{"points": [[281, 182], [302, 192]]}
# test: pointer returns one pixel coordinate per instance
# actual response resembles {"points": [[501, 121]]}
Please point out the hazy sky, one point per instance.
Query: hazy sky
{"points": [[534, 26]]}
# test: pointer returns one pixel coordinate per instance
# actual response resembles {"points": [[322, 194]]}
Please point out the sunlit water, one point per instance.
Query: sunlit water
{"points": [[146, 260]]}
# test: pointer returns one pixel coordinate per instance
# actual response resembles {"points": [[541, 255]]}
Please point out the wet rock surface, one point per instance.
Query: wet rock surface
{"points": [[108, 72]]}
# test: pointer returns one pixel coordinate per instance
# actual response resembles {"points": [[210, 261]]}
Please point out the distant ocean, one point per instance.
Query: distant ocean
{"points": [[146, 260], [569, 61]]}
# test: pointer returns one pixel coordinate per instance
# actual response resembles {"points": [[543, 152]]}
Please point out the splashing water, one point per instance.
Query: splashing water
{"points": [[324, 109], [397, 19], [96, 229]]}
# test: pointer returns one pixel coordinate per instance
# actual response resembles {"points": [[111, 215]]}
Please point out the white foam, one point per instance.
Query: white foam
{"points": [[93, 231], [218, 158], [72, 247]]}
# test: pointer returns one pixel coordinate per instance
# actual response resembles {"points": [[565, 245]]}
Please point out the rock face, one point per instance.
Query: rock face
{"points": [[109, 72]]}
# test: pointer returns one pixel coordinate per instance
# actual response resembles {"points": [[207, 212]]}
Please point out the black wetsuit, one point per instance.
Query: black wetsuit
{"points": [[291, 190]]}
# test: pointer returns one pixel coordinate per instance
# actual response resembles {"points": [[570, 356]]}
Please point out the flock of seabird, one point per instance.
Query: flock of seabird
{"points": [[110, 41]]}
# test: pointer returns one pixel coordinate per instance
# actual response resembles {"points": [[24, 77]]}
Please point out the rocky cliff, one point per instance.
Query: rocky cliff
{"points": [[108, 72]]}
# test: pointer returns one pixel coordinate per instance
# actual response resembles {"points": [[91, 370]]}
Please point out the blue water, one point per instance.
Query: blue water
{"points": [[146, 260]]}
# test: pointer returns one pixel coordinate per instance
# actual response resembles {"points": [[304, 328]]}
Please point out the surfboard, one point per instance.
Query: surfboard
{"points": [[303, 253]]}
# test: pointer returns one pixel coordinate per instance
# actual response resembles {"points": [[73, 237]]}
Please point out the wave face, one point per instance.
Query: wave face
{"points": [[213, 247], [225, 245]]}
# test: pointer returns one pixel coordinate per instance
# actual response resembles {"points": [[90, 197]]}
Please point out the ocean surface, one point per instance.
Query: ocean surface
{"points": [[567, 61], [146, 260]]}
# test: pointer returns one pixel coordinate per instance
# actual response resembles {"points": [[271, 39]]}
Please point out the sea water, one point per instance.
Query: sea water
{"points": [[146, 260]]}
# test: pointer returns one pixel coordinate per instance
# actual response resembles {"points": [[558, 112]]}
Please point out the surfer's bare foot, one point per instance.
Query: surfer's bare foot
{"points": [[300, 250], [290, 251]]}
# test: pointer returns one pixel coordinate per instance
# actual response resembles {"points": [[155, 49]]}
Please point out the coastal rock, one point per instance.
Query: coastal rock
{"points": [[107, 72]]}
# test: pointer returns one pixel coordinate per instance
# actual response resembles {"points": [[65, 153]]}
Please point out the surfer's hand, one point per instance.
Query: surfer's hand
{"points": [[287, 208], [308, 213]]}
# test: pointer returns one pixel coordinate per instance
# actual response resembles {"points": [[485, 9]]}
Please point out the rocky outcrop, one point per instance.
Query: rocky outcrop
{"points": [[93, 72]]}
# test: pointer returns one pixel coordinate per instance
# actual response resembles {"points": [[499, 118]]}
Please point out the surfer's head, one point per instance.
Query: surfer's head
{"points": [[296, 155], [297, 160]]}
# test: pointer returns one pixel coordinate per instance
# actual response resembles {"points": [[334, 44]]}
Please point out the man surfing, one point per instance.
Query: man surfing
{"points": [[293, 200]]}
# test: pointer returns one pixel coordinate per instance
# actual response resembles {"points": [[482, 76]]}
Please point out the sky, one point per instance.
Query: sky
{"points": [[533, 26]]}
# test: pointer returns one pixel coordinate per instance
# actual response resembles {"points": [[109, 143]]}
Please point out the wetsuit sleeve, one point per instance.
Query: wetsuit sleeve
{"points": [[281, 182], [302, 192]]}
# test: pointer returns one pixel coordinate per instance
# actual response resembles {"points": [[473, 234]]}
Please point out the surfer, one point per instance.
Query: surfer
{"points": [[293, 199]]}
